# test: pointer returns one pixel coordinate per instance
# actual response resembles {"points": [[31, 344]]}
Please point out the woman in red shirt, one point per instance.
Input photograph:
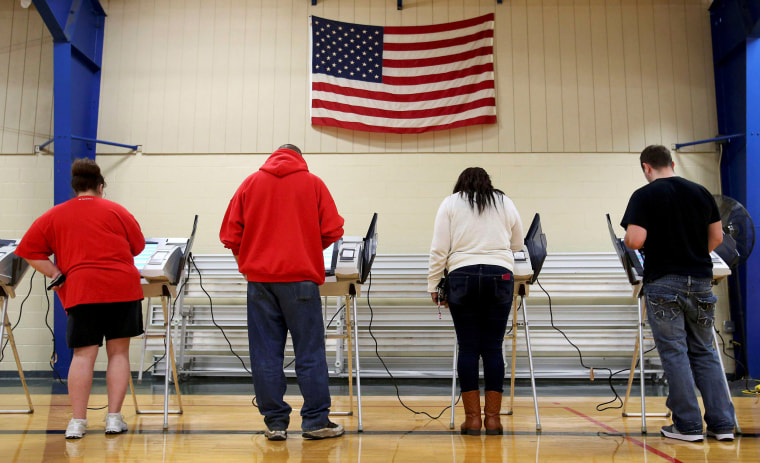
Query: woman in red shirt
{"points": [[94, 241]]}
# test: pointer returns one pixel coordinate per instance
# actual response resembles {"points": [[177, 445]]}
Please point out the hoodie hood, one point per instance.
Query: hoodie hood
{"points": [[284, 162]]}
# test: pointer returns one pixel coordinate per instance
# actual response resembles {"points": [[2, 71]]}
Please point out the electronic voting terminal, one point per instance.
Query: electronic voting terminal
{"points": [[349, 261], [530, 259], [12, 267], [633, 261], [162, 261]]}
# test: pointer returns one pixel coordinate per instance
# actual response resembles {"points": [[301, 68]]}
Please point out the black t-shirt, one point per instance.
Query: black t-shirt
{"points": [[676, 214]]}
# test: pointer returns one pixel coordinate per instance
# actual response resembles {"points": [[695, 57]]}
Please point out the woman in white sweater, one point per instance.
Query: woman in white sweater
{"points": [[477, 228]]}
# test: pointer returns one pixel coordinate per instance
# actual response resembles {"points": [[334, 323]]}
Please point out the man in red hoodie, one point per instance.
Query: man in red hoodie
{"points": [[277, 224]]}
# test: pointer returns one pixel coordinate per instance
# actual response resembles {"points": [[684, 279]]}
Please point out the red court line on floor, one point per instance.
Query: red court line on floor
{"points": [[631, 439]]}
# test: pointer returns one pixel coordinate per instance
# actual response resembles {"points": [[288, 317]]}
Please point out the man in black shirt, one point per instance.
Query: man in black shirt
{"points": [[677, 224]]}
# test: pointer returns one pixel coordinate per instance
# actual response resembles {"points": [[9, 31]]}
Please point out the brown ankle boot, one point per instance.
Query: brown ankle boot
{"points": [[472, 421], [492, 410]]}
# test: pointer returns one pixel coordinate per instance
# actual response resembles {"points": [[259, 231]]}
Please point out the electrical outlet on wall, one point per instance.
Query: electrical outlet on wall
{"points": [[728, 326]]}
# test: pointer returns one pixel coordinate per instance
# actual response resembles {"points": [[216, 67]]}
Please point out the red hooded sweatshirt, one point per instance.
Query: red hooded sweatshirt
{"points": [[279, 221]]}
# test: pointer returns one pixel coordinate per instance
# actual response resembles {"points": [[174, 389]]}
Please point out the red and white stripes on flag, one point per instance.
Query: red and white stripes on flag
{"points": [[407, 79]]}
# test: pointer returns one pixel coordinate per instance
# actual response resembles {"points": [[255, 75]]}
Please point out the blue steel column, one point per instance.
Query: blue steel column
{"points": [[77, 28], [752, 285], [62, 177]]}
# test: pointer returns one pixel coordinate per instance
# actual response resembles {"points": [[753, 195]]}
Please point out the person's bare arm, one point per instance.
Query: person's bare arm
{"points": [[714, 235], [635, 236], [47, 268]]}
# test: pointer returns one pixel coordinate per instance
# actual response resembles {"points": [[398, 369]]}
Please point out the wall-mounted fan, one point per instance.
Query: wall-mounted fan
{"points": [[739, 237]]}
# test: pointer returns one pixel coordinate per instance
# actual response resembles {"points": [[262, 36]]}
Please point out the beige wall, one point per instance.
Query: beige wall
{"points": [[208, 89]]}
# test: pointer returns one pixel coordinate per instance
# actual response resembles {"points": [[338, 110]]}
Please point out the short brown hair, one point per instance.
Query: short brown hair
{"points": [[85, 175], [656, 156]]}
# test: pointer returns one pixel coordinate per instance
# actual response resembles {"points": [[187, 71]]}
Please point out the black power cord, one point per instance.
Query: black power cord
{"points": [[54, 355], [171, 317], [746, 378], [393, 379], [602, 406], [20, 311], [219, 327]]}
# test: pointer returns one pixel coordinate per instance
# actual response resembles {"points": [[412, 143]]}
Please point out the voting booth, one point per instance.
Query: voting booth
{"points": [[12, 270], [162, 271], [348, 263], [632, 261], [528, 263]]}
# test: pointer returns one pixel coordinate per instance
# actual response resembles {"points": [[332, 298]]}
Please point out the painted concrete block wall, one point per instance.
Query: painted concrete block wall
{"points": [[209, 89]]}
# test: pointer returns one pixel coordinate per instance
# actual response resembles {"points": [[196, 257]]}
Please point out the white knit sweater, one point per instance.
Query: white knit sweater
{"points": [[463, 237]]}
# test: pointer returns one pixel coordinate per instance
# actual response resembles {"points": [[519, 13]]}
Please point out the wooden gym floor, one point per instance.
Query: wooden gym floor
{"points": [[223, 427]]}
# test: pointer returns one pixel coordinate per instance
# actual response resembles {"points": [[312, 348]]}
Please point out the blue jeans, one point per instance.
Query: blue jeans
{"points": [[480, 297], [681, 313], [273, 309]]}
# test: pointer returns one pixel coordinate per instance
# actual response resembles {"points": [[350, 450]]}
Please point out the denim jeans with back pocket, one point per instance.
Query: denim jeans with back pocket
{"points": [[681, 313], [480, 297], [273, 310]]}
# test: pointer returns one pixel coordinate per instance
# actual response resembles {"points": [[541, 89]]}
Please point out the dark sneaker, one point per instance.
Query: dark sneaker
{"points": [[331, 430], [673, 433], [721, 435], [276, 434]]}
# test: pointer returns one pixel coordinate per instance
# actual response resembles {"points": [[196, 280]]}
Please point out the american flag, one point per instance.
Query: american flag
{"points": [[407, 79]]}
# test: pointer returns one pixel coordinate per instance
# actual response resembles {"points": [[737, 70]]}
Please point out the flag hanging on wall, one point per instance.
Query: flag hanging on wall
{"points": [[406, 79]]}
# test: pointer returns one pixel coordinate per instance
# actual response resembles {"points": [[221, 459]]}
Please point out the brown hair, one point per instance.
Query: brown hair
{"points": [[85, 175], [656, 156]]}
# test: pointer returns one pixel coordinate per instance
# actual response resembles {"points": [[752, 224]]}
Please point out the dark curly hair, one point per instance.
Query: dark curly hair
{"points": [[475, 185]]}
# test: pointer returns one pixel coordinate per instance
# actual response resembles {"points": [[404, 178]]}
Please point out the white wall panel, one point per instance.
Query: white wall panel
{"points": [[586, 90], [634, 96], [618, 77], [26, 79]]}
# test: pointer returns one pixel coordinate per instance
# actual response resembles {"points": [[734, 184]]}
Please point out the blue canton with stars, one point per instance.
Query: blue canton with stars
{"points": [[351, 51]]}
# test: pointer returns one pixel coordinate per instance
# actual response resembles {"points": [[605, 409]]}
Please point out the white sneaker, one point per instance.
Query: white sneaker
{"points": [[76, 428], [115, 424]]}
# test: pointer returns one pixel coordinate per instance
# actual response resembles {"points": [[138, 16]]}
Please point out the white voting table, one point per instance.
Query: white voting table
{"points": [[347, 265], [161, 266]]}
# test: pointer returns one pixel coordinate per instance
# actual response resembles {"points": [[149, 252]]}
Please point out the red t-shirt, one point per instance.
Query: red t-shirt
{"points": [[94, 241], [279, 221]]}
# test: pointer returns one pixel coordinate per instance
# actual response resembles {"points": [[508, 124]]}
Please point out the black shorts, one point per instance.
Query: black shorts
{"points": [[88, 323]]}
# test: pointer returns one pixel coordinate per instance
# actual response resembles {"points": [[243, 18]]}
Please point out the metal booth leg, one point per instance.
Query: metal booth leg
{"points": [[351, 331], [358, 367], [530, 355], [641, 367], [168, 363], [513, 336], [725, 381], [454, 383], [146, 323], [639, 351], [5, 324]]}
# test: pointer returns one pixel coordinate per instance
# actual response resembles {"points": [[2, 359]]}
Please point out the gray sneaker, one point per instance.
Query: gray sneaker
{"points": [[673, 433], [721, 435], [276, 434], [329, 431]]}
